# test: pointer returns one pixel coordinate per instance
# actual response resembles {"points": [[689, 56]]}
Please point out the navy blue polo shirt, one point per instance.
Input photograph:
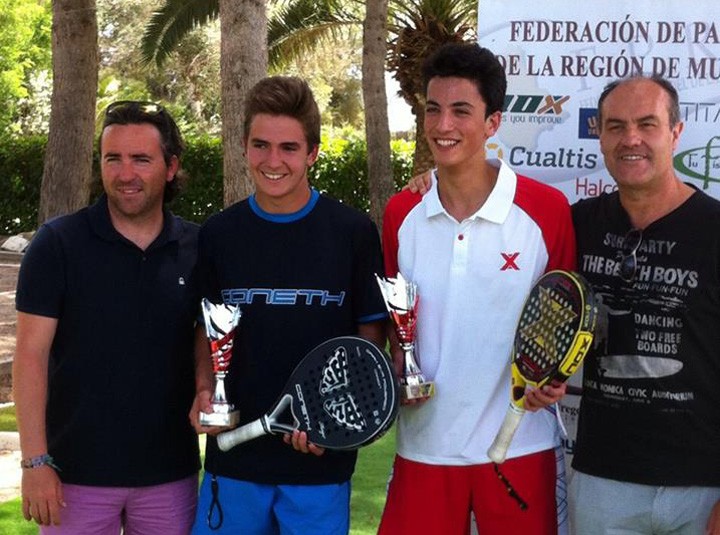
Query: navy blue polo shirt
{"points": [[121, 373]]}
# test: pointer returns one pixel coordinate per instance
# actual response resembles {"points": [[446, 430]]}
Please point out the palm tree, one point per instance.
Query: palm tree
{"points": [[243, 61], [68, 159], [377, 130], [173, 21]]}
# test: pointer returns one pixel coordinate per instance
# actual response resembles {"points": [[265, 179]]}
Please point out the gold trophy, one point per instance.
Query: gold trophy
{"points": [[220, 323], [401, 300]]}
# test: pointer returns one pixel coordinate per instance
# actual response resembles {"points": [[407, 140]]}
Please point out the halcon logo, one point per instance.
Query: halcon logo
{"points": [[535, 104], [702, 163]]}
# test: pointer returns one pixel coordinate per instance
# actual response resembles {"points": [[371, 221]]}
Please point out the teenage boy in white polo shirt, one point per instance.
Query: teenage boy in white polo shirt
{"points": [[474, 244]]}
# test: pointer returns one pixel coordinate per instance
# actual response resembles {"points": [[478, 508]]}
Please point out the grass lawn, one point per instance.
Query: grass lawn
{"points": [[7, 418], [12, 521], [368, 493], [369, 485]]}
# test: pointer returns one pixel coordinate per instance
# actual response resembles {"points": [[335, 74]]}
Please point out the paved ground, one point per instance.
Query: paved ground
{"points": [[9, 264], [9, 454], [10, 473]]}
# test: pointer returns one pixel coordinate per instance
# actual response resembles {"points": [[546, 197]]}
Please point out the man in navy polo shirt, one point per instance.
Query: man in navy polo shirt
{"points": [[103, 371]]}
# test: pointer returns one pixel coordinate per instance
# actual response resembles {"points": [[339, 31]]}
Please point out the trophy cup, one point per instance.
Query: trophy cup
{"points": [[401, 300], [220, 323]]}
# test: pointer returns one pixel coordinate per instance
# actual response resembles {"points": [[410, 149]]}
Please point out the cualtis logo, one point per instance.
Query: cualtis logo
{"points": [[702, 163]]}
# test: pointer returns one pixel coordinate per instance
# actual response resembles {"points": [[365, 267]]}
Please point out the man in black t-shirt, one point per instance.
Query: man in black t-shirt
{"points": [[647, 457]]}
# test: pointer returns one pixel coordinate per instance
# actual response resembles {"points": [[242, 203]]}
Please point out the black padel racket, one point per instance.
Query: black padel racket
{"points": [[343, 394], [554, 333]]}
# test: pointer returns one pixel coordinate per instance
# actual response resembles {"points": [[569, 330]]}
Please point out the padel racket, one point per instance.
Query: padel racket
{"points": [[554, 333], [343, 394]]}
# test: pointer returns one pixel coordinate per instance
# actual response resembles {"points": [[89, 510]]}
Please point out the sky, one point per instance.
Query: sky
{"points": [[400, 116]]}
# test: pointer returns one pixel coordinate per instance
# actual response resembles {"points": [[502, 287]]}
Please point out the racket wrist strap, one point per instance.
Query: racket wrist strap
{"points": [[215, 506], [509, 488]]}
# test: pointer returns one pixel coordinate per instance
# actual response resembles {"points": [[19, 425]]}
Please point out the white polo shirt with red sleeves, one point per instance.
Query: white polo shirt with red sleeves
{"points": [[473, 277]]}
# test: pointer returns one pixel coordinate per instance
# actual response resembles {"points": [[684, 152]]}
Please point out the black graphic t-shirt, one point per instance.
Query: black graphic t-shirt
{"points": [[299, 280], [650, 411]]}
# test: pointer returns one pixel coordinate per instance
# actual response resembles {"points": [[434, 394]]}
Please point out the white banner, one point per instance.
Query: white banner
{"points": [[558, 56]]}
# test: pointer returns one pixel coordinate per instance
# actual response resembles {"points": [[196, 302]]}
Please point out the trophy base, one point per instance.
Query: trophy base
{"points": [[419, 392], [220, 419]]}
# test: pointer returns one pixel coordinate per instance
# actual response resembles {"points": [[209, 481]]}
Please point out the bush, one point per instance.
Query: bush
{"points": [[341, 169], [21, 168], [202, 195], [341, 172]]}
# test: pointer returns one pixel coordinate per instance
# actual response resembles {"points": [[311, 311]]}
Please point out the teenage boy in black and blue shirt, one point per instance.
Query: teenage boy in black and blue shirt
{"points": [[301, 268]]}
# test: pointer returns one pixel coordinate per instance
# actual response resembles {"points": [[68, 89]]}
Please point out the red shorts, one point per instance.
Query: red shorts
{"points": [[425, 498]]}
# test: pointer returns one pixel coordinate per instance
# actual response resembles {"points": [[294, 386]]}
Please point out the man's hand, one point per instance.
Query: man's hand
{"points": [[398, 361], [539, 398], [420, 183], [42, 495], [299, 441], [201, 403]]}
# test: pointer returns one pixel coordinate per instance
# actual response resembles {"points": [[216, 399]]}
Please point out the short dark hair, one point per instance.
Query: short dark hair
{"points": [[470, 61], [673, 106], [124, 112], [284, 95]]}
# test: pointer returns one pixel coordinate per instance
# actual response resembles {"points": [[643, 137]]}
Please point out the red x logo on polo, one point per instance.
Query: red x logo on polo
{"points": [[510, 261]]}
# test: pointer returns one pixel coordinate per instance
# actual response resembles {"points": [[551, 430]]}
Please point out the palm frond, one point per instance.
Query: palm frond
{"points": [[451, 16], [297, 26], [417, 28], [173, 21]]}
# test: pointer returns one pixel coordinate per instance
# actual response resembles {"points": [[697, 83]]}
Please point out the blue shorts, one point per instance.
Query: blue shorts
{"points": [[256, 509]]}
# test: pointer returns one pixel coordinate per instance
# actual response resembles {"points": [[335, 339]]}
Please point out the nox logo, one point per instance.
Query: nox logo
{"points": [[509, 259], [535, 104]]}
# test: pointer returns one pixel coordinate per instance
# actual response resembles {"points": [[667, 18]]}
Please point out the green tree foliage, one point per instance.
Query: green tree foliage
{"points": [[188, 82], [21, 168], [169, 24], [338, 88], [331, 66], [24, 55]]}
